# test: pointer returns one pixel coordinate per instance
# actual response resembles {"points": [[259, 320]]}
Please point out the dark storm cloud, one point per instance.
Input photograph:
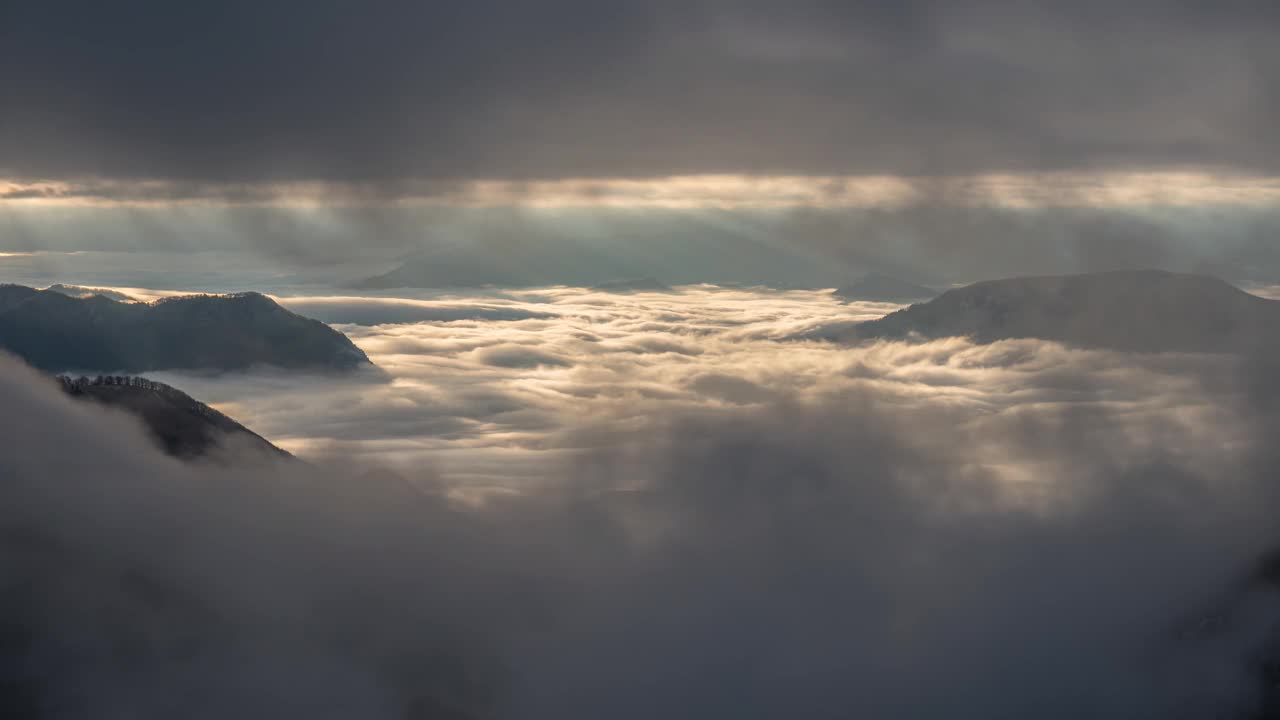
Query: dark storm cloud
{"points": [[449, 90]]}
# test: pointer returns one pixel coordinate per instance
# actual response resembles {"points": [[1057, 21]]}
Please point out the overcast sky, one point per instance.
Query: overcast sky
{"points": [[943, 141], [391, 92]]}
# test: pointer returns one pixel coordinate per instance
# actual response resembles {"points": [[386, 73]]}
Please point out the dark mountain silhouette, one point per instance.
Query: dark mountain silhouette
{"points": [[183, 426], [1138, 310], [875, 286], [676, 254], [453, 270], [12, 295], [77, 291], [55, 332]]}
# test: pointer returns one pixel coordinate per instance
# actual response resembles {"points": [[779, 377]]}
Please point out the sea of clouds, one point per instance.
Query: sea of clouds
{"points": [[564, 503], [491, 385]]}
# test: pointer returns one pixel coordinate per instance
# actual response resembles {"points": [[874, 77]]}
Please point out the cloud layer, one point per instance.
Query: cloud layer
{"points": [[650, 506], [516, 373], [526, 374]]}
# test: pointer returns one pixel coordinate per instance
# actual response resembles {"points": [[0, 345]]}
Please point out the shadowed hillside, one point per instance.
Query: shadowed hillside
{"points": [[1141, 310], [55, 332], [183, 426], [76, 291]]}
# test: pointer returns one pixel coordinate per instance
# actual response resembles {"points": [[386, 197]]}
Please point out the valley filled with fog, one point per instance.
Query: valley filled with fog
{"points": [[535, 496], [494, 385], [494, 388]]}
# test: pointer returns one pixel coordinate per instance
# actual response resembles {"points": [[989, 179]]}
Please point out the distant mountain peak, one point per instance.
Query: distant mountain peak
{"points": [[875, 286], [629, 285], [83, 293], [1133, 310]]}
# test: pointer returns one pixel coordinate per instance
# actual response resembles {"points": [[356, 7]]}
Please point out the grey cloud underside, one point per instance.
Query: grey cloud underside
{"points": [[452, 90]]}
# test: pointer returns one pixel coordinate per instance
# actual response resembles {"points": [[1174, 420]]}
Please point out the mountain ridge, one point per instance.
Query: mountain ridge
{"points": [[1130, 310], [181, 425], [79, 291], [56, 332], [877, 287]]}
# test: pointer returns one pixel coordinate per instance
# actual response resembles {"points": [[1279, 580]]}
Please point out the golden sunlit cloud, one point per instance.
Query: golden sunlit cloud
{"points": [[1060, 189]]}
